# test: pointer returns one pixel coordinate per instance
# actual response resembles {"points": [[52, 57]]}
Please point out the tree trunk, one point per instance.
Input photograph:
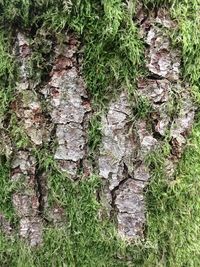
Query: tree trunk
{"points": [[49, 124]]}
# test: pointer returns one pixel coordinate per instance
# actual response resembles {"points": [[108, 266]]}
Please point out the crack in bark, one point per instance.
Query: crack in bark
{"points": [[126, 141], [70, 108], [127, 181], [40, 189], [27, 198]]}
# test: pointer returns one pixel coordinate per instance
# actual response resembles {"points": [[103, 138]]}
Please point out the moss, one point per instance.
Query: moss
{"points": [[6, 188], [187, 15], [112, 59], [94, 134], [173, 211], [7, 73]]}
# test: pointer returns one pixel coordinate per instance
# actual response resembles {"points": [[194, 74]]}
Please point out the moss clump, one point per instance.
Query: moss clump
{"points": [[112, 59]]}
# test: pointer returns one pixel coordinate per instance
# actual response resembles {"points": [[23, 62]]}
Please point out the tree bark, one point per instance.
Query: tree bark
{"points": [[59, 109]]}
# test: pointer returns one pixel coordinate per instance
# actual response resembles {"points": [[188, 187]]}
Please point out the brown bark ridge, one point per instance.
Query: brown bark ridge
{"points": [[27, 109], [69, 108], [127, 141]]}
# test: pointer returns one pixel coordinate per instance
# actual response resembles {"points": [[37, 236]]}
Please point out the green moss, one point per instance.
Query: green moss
{"points": [[112, 59], [6, 73], [173, 211], [187, 15], [18, 134], [82, 241], [5, 188], [94, 134]]}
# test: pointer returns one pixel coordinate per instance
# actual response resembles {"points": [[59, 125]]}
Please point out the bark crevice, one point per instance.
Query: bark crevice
{"points": [[122, 161]]}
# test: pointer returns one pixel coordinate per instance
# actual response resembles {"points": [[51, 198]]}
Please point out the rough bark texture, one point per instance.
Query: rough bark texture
{"points": [[127, 142], [5, 225], [69, 107], [28, 110]]}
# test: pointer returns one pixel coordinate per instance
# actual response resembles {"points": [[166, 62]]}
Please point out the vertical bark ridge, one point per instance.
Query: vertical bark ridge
{"points": [[5, 225], [167, 89], [28, 110], [69, 108], [127, 141]]}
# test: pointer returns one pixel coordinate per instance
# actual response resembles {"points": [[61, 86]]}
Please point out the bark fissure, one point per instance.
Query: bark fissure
{"points": [[127, 138], [64, 121], [40, 187], [27, 198], [121, 143], [69, 108]]}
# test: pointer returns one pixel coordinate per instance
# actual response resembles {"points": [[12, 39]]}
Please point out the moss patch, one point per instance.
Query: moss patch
{"points": [[112, 59]]}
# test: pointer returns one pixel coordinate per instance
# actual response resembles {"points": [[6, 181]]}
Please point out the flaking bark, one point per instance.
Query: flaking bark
{"points": [[126, 141], [27, 109], [69, 108]]}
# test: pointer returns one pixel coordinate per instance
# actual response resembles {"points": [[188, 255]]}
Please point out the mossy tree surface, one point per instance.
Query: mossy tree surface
{"points": [[113, 56]]}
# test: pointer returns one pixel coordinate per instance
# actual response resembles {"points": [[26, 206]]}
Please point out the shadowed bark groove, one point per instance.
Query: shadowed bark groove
{"points": [[126, 144], [126, 140]]}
